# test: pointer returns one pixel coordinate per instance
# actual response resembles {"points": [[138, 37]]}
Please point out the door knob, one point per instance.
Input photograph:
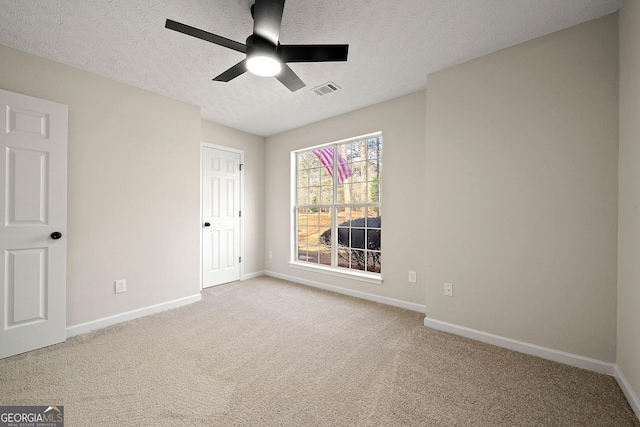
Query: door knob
{"points": [[56, 235], [206, 224]]}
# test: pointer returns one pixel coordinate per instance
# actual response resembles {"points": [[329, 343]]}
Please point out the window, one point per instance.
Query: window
{"points": [[337, 212]]}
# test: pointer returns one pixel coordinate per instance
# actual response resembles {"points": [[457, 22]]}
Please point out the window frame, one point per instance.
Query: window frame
{"points": [[334, 269]]}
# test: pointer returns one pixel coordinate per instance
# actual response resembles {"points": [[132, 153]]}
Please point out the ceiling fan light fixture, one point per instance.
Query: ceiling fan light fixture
{"points": [[263, 65], [264, 55]]}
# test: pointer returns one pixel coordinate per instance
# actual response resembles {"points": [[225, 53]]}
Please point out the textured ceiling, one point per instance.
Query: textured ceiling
{"points": [[394, 44]]}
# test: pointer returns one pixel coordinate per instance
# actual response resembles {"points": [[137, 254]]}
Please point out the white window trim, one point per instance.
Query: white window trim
{"points": [[362, 276], [375, 278]]}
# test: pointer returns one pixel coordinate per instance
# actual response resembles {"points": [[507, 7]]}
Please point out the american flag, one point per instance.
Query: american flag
{"points": [[326, 157]]}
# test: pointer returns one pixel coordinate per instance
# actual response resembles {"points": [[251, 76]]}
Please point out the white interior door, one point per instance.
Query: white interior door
{"points": [[220, 216], [33, 223]]}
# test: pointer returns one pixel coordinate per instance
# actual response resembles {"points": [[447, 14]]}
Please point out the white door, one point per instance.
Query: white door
{"points": [[33, 223], [220, 216]]}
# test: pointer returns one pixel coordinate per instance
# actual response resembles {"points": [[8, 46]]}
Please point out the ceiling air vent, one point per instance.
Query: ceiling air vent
{"points": [[325, 88]]}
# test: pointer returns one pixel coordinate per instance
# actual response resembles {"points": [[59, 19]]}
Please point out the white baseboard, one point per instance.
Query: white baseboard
{"points": [[631, 396], [363, 295], [523, 347], [130, 315], [252, 275]]}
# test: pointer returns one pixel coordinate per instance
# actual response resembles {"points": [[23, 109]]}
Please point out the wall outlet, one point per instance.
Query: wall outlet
{"points": [[448, 289], [270, 254], [121, 286], [413, 277]]}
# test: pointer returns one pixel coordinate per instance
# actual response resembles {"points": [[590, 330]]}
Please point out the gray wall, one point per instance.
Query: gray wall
{"points": [[521, 191], [629, 210], [402, 124]]}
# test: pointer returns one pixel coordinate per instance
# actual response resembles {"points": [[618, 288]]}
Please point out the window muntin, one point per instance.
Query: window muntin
{"points": [[338, 222]]}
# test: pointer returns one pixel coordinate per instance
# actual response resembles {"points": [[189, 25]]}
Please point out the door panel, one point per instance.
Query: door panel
{"points": [[230, 202], [221, 209], [215, 198], [27, 286], [33, 202], [215, 252], [230, 250], [27, 188]]}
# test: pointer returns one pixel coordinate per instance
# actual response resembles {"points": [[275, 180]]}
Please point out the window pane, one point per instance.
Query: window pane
{"points": [[324, 237], [346, 194], [343, 215], [346, 216], [319, 228], [374, 261], [358, 259], [303, 196], [373, 239], [344, 237], [344, 257], [359, 171], [302, 179], [302, 237], [308, 160], [315, 176], [374, 191], [374, 146], [327, 195], [374, 220], [374, 166], [357, 216], [341, 192], [355, 151], [303, 255], [356, 189], [314, 196], [325, 177], [358, 237], [324, 255], [358, 193], [325, 218], [302, 218]]}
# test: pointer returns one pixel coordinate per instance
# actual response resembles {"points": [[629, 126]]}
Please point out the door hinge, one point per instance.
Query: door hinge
{"points": [[240, 166], [239, 213], [240, 259]]}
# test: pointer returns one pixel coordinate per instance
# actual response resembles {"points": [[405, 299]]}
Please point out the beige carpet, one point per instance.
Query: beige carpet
{"points": [[268, 352]]}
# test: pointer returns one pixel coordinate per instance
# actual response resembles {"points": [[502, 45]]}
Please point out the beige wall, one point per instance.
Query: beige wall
{"points": [[403, 127], [629, 209], [253, 196], [134, 180], [521, 191], [133, 188]]}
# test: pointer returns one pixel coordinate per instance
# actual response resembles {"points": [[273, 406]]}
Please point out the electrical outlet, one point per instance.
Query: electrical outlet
{"points": [[270, 254], [412, 277], [121, 286], [448, 289]]}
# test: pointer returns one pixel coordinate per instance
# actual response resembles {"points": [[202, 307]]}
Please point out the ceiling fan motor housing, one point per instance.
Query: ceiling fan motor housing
{"points": [[257, 45]]}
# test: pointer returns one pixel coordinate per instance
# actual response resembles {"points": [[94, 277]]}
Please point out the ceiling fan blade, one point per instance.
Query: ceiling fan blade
{"points": [[233, 72], [204, 35], [290, 79], [267, 18], [313, 52]]}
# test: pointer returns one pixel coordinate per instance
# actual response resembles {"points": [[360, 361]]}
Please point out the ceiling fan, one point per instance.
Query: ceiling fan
{"points": [[265, 56]]}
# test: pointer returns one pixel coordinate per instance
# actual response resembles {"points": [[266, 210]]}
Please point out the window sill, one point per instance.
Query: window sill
{"points": [[344, 273]]}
